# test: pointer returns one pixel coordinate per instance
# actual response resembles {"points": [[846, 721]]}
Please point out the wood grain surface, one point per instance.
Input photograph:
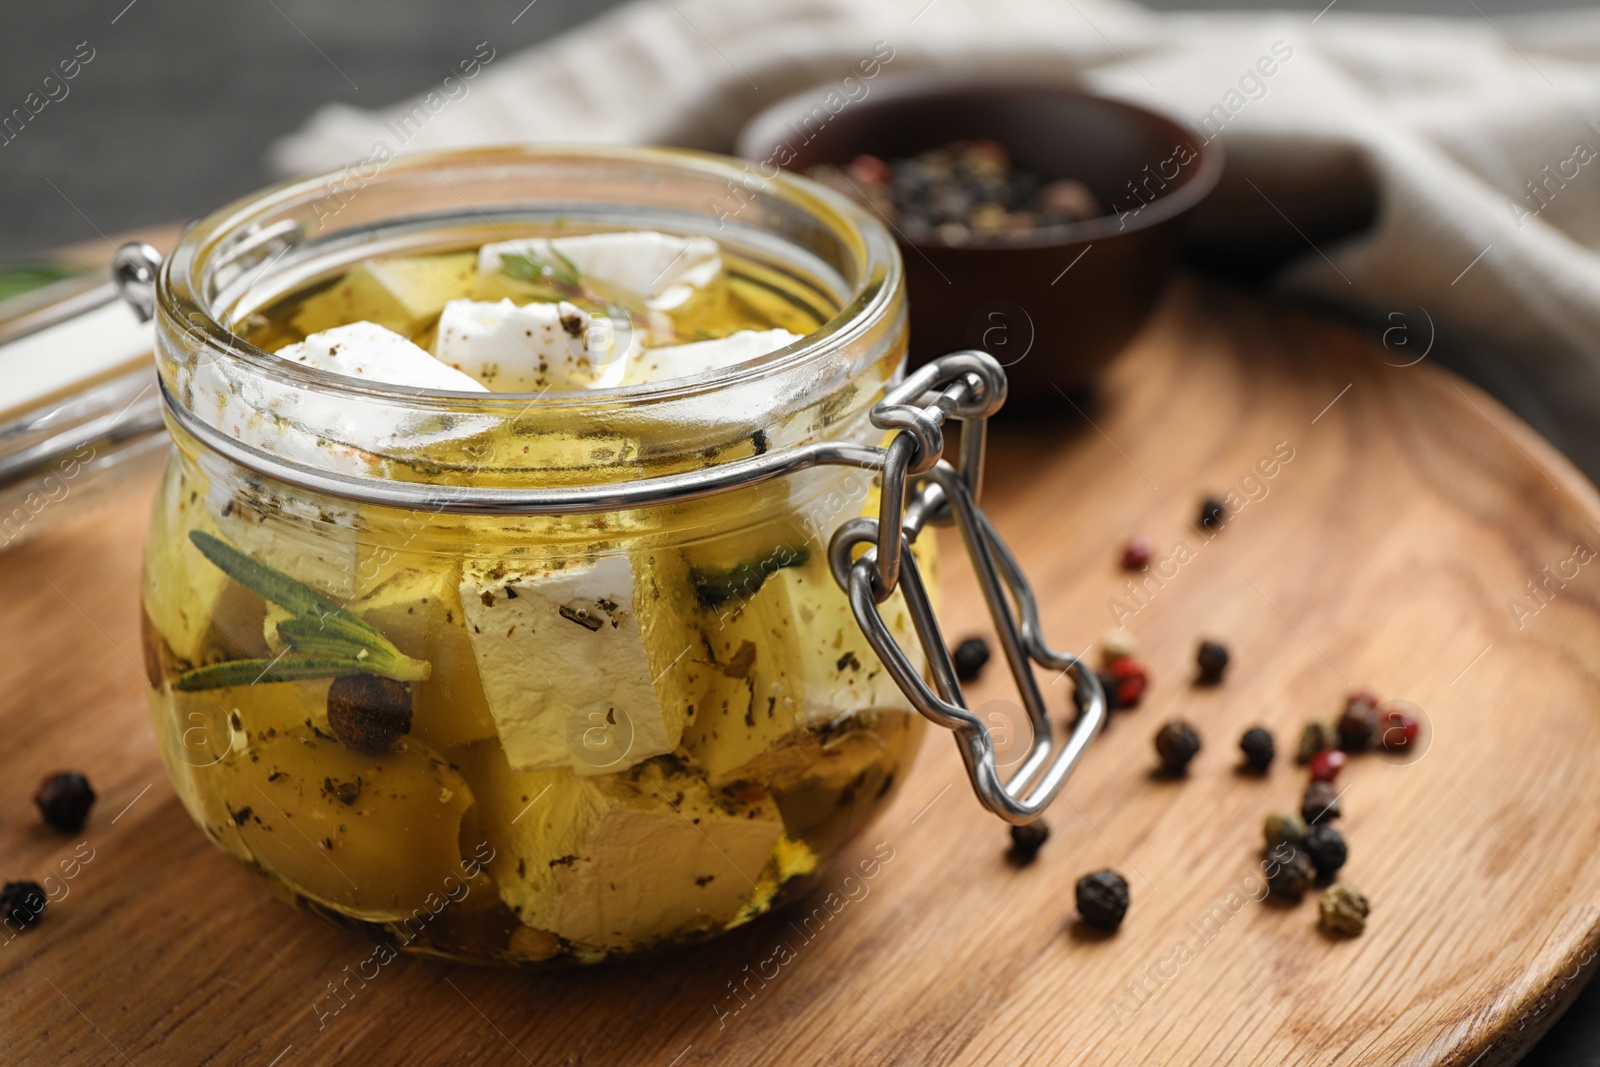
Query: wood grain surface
{"points": [[1387, 552]]}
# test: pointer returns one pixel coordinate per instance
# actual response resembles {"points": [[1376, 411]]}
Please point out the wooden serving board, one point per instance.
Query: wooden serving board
{"points": [[1383, 554]]}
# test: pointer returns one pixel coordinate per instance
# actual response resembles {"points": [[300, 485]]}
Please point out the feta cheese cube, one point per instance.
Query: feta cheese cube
{"points": [[661, 269], [532, 348], [788, 658], [678, 361], [267, 776], [402, 293], [347, 434], [620, 861], [367, 350], [583, 662], [419, 609], [208, 616]]}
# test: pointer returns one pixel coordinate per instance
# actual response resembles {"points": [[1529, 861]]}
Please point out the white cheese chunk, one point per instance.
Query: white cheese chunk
{"points": [[367, 350], [790, 657], [661, 269], [346, 433], [571, 660], [678, 361], [532, 348], [621, 861]]}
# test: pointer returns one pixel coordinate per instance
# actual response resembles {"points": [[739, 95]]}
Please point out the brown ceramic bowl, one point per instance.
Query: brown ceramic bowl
{"points": [[1056, 305]]}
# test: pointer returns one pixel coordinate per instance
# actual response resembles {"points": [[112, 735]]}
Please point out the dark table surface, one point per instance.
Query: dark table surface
{"points": [[172, 118]]}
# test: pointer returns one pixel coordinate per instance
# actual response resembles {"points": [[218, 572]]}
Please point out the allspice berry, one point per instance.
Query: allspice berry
{"points": [[1176, 744], [1103, 899], [1321, 801], [368, 712], [1257, 745], [64, 801], [1343, 909], [1327, 850], [1358, 726], [1290, 872]]}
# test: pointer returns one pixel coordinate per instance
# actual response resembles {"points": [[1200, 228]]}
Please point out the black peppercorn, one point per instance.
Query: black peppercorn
{"points": [[1290, 872], [21, 903], [64, 800], [1359, 723], [1321, 802], [1213, 513], [1103, 899], [1176, 744], [1212, 658], [1108, 686], [1258, 748], [368, 712], [969, 658], [1027, 839], [1327, 850]]}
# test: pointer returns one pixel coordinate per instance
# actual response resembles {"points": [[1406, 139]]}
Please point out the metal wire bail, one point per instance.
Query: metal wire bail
{"points": [[919, 488]]}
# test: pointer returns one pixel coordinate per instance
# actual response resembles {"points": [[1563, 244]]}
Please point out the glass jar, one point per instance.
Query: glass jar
{"points": [[496, 736]]}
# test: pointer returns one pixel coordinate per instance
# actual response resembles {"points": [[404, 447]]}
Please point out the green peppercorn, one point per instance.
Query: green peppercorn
{"points": [[1318, 734], [1281, 829], [1103, 899], [1343, 909], [1290, 872], [1327, 850], [1176, 744], [1257, 745], [1321, 801]]}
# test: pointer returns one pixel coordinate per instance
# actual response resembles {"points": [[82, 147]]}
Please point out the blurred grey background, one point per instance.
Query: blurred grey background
{"points": [[173, 114]]}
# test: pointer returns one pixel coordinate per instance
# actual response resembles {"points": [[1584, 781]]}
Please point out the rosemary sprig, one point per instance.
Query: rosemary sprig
{"points": [[563, 275], [565, 279], [329, 640]]}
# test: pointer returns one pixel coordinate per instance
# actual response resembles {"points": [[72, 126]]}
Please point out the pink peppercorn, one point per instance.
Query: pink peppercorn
{"points": [[1398, 731], [1136, 553], [1130, 678], [870, 170], [1326, 765]]}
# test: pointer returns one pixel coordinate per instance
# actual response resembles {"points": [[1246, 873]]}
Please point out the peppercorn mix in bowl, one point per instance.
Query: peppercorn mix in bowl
{"points": [[1051, 285]]}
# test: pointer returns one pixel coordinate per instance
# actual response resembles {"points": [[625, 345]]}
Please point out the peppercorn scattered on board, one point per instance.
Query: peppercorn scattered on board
{"points": [[1392, 544]]}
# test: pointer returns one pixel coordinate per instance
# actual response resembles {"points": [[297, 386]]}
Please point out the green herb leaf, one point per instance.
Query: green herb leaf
{"points": [[715, 588], [528, 268], [263, 580], [331, 641], [254, 671]]}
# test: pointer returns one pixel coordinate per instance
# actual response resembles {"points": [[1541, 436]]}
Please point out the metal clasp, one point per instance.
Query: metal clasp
{"points": [[920, 489]]}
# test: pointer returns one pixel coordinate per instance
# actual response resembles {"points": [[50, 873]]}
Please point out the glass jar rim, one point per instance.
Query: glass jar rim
{"points": [[875, 258]]}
